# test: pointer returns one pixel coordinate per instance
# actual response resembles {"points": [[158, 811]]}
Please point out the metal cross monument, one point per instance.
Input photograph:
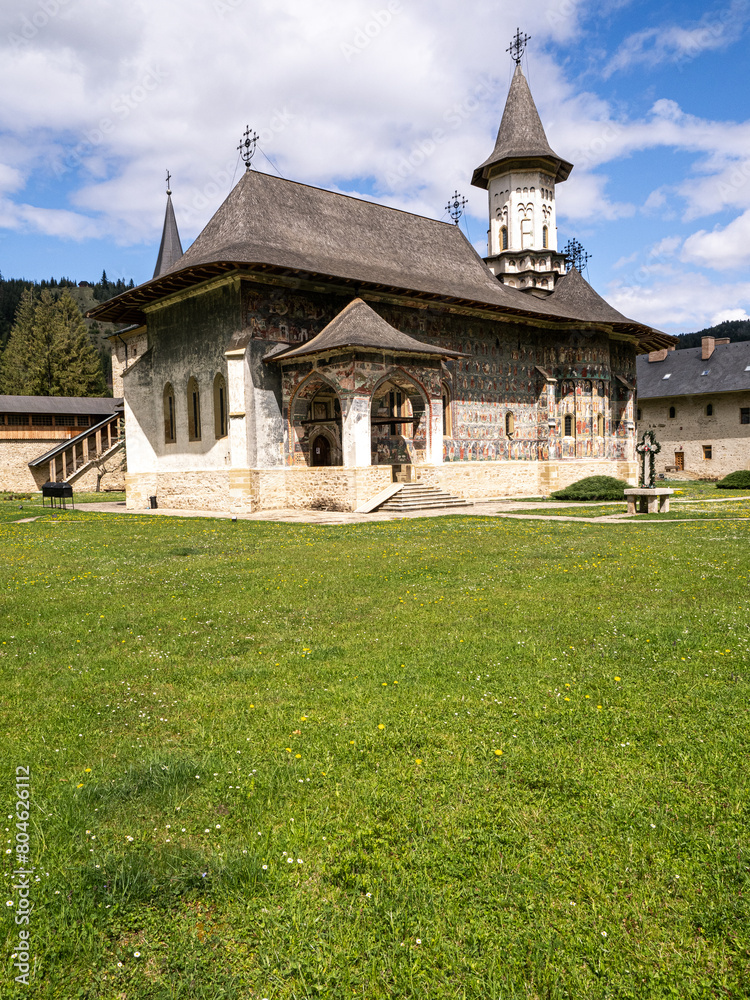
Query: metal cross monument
{"points": [[648, 448]]}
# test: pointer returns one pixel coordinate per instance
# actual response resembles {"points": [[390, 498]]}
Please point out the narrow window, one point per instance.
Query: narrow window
{"points": [[220, 407], [194, 410], [447, 415], [169, 426], [672, 413], [745, 414], [639, 413], [707, 452], [545, 237], [709, 409], [510, 424], [569, 425], [504, 237]]}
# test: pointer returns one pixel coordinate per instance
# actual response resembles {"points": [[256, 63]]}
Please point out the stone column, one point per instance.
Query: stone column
{"points": [[355, 420], [434, 416]]}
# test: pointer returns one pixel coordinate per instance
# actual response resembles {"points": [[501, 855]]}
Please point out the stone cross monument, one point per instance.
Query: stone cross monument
{"points": [[648, 449]]}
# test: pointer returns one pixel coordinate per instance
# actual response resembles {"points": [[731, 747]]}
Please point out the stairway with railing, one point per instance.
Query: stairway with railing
{"points": [[70, 459]]}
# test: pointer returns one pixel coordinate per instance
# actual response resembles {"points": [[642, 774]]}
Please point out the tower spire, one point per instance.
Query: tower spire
{"points": [[170, 249], [520, 176]]}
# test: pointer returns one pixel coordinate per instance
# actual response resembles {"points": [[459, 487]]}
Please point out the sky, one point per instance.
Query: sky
{"points": [[390, 100]]}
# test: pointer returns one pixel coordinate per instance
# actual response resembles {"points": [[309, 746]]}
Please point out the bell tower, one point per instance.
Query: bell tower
{"points": [[520, 177]]}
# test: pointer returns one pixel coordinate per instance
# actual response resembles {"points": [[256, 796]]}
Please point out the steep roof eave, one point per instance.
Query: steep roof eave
{"points": [[129, 305]]}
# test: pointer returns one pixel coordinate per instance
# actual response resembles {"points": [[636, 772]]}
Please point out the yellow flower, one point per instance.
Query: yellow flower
{"points": [[79, 786], [498, 753], [88, 770], [617, 678], [288, 749], [381, 726], [419, 761], [298, 756]]}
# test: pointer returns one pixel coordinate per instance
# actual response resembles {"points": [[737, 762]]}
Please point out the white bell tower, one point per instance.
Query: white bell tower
{"points": [[520, 178]]}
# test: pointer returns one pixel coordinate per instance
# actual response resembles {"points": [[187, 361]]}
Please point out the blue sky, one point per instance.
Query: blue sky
{"points": [[396, 100]]}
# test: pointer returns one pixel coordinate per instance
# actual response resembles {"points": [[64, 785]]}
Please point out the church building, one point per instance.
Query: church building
{"points": [[312, 348]]}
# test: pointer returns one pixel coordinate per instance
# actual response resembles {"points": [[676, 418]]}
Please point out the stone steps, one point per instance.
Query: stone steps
{"points": [[418, 496]]}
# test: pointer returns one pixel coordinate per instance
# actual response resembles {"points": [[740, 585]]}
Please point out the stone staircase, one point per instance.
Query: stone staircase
{"points": [[419, 496]]}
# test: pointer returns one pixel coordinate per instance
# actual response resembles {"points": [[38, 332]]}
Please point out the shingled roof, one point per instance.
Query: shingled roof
{"points": [[573, 294], [170, 249], [84, 405], [727, 370], [275, 226], [358, 325], [521, 135]]}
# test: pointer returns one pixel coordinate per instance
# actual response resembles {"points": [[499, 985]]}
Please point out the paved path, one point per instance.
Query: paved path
{"points": [[484, 508]]}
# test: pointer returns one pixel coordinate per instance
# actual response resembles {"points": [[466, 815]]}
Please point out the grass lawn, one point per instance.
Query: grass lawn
{"points": [[455, 757]]}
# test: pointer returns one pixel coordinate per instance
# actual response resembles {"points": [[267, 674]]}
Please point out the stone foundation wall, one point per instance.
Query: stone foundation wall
{"points": [[17, 477], [15, 474], [248, 490], [487, 480]]}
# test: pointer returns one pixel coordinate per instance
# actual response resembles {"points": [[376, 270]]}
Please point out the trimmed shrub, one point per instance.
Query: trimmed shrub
{"points": [[594, 488], [735, 481]]}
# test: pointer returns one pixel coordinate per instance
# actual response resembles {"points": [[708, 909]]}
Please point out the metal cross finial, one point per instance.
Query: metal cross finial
{"points": [[169, 178], [247, 146], [575, 255], [517, 46], [456, 206]]}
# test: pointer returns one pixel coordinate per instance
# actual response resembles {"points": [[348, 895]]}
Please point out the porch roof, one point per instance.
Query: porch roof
{"points": [[358, 325]]}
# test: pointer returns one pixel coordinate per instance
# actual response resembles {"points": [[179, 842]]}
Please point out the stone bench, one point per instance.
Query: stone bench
{"points": [[649, 501]]}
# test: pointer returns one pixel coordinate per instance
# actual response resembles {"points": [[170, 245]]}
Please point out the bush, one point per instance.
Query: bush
{"points": [[735, 481], [593, 488]]}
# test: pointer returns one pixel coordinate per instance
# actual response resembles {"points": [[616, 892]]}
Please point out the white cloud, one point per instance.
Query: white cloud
{"points": [[728, 316], [675, 42], [724, 248], [48, 221], [680, 302]]}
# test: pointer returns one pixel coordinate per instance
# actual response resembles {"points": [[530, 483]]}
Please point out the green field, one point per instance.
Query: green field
{"points": [[456, 757]]}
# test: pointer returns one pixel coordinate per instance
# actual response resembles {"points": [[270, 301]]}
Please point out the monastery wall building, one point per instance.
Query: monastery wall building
{"points": [[311, 348]]}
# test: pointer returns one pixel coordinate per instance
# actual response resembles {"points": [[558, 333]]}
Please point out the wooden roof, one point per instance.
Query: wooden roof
{"points": [[357, 325], [274, 226], [521, 136]]}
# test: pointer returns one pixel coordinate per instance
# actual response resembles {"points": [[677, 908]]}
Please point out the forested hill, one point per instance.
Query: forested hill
{"points": [[735, 329], [85, 294]]}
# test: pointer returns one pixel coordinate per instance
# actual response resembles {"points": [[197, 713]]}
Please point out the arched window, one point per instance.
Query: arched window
{"points": [[672, 413], [194, 410], [504, 238], [220, 406], [600, 424], [510, 424], [545, 237], [170, 435], [569, 425], [447, 414], [709, 409]]}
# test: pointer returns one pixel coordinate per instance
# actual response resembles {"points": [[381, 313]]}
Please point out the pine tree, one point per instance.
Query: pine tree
{"points": [[49, 352]]}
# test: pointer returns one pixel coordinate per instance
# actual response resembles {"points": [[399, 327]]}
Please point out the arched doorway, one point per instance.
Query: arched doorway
{"points": [[398, 416], [315, 424], [320, 451]]}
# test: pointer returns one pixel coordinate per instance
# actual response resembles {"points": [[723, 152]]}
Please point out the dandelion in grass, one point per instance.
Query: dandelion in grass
{"points": [[381, 726]]}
